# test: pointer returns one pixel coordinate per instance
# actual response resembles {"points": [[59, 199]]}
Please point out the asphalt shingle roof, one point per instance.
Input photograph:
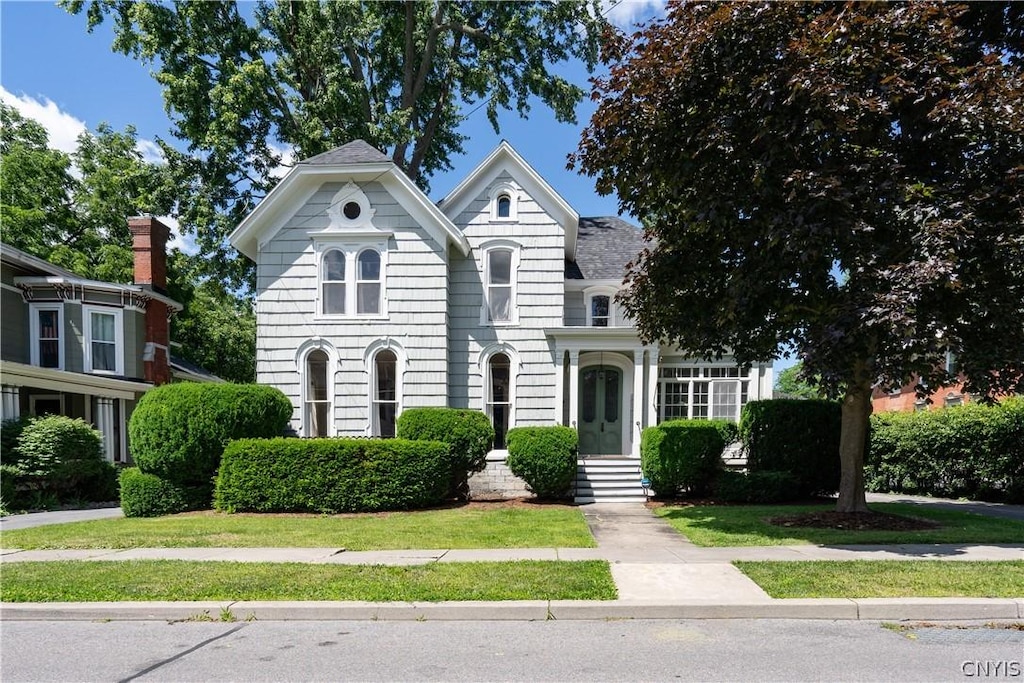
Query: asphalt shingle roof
{"points": [[355, 152], [604, 246]]}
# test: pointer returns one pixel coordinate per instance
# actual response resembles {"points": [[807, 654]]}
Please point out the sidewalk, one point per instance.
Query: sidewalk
{"points": [[658, 573]]}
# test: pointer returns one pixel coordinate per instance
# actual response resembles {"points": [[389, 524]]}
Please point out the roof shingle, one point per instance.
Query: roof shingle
{"points": [[604, 247], [355, 152]]}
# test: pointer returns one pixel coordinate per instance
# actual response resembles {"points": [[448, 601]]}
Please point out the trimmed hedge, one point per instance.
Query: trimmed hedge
{"points": [[10, 433], [545, 458], [972, 451], [332, 475], [681, 456], [796, 436], [755, 487], [468, 433], [10, 475], [147, 495], [179, 431], [64, 456]]}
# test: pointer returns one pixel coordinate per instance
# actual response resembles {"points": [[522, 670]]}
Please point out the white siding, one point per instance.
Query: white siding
{"points": [[417, 310]]}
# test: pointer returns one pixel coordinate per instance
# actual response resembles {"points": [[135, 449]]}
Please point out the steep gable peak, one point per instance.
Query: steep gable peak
{"points": [[355, 152]]}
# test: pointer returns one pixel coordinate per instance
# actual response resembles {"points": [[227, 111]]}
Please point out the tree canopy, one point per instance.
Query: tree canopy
{"points": [[770, 146], [793, 384], [251, 90]]}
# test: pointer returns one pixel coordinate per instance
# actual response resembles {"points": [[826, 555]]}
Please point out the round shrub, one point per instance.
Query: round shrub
{"points": [[468, 433], [331, 475], [681, 456], [147, 495], [64, 456], [179, 431], [545, 458]]}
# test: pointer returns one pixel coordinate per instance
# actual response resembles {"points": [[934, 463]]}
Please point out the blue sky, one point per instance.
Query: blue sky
{"points": [[52, 70]]}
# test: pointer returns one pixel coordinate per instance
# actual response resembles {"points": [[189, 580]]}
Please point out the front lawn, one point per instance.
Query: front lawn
{"points": [[746, 525], [888, 579], [142, 580], [478, 525]]}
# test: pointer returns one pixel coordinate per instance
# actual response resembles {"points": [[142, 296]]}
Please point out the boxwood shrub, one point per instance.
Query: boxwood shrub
{"points": [[972, 451], [796, 436], [681, 457], [545, 458], [147, 495], [468, 433], [64, 456], [179, 431], [331, 475]]}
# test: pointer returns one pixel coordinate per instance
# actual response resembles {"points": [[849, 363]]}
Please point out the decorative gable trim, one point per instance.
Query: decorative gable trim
{"points": [[504, 159]]}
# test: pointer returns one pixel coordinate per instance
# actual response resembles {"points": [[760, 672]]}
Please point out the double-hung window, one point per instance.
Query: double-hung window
{"points": [[500, 263], [368, 283], [332, 283], [47, 350], [385, 393], [600, 304], [104, 340], [318, 396], [499, 397]]}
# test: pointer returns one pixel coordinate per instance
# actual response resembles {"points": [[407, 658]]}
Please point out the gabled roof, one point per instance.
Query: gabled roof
{"points": [[505, 159], [356, 161], [604, 248], [23, 259]]}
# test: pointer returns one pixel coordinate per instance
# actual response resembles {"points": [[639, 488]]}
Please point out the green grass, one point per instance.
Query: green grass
{"points": [[541, 526], [142, 580], [746, 525], [888, 579]]}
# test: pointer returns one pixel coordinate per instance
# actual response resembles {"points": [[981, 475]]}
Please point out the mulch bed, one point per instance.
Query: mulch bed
{"points": [[854, 521]]}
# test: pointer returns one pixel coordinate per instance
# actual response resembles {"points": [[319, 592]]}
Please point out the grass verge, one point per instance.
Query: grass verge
{"points": [[888, 579], [541, 526], [141, 580], [746, 525]]}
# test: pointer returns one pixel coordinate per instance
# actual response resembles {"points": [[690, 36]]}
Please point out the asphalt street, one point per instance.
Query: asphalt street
{"points": [[692, 650]]}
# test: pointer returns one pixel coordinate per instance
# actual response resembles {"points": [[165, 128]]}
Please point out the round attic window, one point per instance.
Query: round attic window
{"points": [[352, 211]]}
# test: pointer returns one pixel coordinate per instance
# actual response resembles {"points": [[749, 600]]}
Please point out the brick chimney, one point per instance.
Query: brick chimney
{"points": [[149, 245]]}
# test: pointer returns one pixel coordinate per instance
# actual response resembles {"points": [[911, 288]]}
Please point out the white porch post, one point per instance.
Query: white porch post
{"points": [[105, 423], [11, 405], [638, 399], [652, 385], [559, 383], [574, 386]]}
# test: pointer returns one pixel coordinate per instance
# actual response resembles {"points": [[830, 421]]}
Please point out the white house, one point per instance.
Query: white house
{"points": [[372, 299]]}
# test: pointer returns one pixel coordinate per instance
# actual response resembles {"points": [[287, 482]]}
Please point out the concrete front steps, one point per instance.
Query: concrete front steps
{"points": [[609, 479]]}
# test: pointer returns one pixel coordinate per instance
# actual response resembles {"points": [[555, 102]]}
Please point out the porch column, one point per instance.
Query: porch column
{"points": [[574, 386], [105, 423], [638, 399], [559, 383], [10, 405], [652, 385]]}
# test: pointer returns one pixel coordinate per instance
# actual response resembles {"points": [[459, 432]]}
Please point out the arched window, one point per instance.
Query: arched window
{"points": [[385, 393], [318, 398], [504, 206], [333, 282], [499, 397], [600, 310], [368, 283]]}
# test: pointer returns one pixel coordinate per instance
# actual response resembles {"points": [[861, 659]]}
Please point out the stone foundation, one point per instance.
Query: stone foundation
{"points": [[497, 481]]}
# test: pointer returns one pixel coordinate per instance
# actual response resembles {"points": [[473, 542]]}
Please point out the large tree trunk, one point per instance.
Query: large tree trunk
{"points": [[853, 438]]}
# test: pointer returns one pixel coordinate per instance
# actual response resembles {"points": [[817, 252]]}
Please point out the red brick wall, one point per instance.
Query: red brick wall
{"points": [[149, 246]]}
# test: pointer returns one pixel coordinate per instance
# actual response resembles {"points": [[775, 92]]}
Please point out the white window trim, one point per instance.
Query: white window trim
{"points": [[512, 192], [370, 368], [118, 314], [34, 310], [351, 250], [485, 312], [613, 310], [301, 355], [484, 366]]}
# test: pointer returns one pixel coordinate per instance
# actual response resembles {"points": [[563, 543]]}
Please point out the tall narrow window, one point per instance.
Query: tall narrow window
{"points": [[600, 308], [725, 401], [499, 399], [499, 285], [49, 338], [103, 341], [368, 283], [332, 280], [318, 402], [504, 206], [385, 395]]}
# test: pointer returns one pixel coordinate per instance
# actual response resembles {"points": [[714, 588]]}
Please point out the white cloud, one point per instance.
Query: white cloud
{"points": [[62, 127], [184, 243], [150, 151], [627, 13], [287, 156]]}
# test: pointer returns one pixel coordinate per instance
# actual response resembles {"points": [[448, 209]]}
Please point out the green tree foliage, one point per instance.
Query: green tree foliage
{"points": [[793, 384], [242, 84], [767, 145]]}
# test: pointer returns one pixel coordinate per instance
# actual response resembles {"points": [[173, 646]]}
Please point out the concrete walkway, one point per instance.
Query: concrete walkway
{"points": [[33, 519], [658, 573]]}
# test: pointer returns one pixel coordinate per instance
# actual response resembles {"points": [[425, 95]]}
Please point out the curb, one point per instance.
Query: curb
{"points": [[868, 609]]}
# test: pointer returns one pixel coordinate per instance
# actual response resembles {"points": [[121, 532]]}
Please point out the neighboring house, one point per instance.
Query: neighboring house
{"points": [[85, 348], [372, 299]]}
